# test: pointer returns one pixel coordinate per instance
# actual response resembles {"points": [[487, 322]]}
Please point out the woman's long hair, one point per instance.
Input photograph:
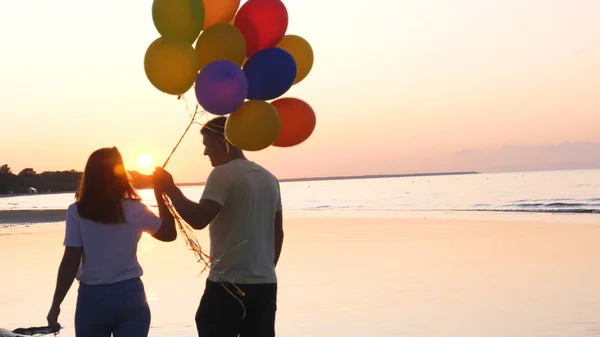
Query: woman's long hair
{"points": [[104, 183]]}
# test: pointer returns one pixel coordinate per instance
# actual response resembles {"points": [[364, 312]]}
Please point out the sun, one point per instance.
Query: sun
{"points": [[144, 161]]}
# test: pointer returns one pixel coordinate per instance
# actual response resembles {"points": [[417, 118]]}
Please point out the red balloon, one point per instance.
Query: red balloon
{"points": [[298, 121], [263, 23]]}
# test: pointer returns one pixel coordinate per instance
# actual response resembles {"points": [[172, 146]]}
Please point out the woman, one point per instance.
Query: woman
{"points": [[103, 228]]}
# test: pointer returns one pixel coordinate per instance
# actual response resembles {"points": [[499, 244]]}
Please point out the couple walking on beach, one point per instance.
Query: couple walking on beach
{"points": [[241, 202]]}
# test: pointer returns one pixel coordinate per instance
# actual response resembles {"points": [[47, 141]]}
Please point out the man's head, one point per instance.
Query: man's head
{"points": [[216, 147]]}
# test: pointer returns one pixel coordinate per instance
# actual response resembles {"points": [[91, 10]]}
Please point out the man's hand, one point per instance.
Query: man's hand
{"points": [[162, 179]]}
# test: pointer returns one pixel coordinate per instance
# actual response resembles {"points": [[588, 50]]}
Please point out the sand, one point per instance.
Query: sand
{"points": [[359, 277]]}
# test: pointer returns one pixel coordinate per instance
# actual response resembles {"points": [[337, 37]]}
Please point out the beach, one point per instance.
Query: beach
{"points": [[358, 277]]}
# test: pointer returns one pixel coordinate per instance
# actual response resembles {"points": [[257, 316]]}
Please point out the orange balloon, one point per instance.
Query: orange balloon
{"points": [[298, 121], [302, 52], [219, 11]]}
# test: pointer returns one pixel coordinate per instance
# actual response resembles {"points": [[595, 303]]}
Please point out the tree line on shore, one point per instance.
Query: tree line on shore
{"points": [[53, 181]]}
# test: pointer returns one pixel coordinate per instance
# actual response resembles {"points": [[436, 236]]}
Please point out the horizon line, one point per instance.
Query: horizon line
{"points": [[354, 177]]}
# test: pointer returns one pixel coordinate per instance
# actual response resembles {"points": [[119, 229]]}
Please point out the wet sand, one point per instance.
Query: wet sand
{"points": [[15, 217], [358, 277]]}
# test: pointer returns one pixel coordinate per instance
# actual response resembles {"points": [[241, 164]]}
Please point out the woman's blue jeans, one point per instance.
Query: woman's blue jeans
{"points": [[119, 309]]}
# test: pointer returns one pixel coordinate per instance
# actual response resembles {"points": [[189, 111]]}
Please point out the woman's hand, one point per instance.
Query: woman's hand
{"points": [[53, 318], [162, 180]]}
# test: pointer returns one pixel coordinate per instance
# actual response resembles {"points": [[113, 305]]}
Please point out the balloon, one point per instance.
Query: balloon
{"points": [[254, 126], [221, 42], [219, 11], [270, 72], [263, 23], [221, 87], [302, 52], [178, 19], [171, 65], [298, 121]]}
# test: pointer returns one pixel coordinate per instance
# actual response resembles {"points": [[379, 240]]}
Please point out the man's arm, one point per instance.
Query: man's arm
{"points": [[197, 215], [278, 235]]}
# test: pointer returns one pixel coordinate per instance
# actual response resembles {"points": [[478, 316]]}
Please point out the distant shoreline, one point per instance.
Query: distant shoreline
{"points": [[373, 176]]}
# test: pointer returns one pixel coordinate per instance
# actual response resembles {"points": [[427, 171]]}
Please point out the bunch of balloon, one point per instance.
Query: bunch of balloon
{"points": [[241, 64]]}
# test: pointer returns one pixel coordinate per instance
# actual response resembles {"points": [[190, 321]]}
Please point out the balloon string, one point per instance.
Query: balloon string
{"points": [[184, 228], [183, 135]]}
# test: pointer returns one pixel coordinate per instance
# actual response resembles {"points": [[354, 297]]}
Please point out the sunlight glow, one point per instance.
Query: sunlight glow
{"points": [[144, 161]]}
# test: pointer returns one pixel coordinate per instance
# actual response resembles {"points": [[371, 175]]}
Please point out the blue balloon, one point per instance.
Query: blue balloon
{"points": [[221, 87], [271, 72]]}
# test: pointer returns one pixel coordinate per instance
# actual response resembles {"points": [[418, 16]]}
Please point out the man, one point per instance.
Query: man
{"points": [[242, 203]]}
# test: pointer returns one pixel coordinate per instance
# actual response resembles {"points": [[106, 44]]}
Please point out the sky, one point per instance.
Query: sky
{"points": [[397, 86]]}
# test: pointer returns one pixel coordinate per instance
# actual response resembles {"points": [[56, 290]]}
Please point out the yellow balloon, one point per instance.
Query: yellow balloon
{"points": [[221, 42], [178, 19], [302, 53], [171, 65], [219, 11], [254, 126]]}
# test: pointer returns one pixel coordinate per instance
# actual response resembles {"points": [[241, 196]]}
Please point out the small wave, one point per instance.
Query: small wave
{"points": [[525, 201], [553, 205], [530, 204], [320, 207], [539, 210], [489, 209], [566, 204], [587, 185]]}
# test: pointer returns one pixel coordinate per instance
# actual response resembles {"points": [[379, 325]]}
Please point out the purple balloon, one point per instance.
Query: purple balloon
{"points": [[221, 87]]}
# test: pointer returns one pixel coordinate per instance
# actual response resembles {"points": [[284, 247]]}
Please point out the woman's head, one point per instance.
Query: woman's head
{"points": [[103, 184]]}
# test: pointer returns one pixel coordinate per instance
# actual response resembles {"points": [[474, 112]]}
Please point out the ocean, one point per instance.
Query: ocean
{"points": [[575, 192]]}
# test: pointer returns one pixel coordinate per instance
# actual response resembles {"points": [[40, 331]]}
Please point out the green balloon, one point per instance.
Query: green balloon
{"points": [[178, 19]]}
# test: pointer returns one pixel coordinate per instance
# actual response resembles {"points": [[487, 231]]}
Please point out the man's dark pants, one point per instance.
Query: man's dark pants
{"points": [[220, 314]]}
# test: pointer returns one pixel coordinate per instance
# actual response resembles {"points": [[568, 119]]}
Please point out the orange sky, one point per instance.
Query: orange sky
{"points": [[397, 86]]}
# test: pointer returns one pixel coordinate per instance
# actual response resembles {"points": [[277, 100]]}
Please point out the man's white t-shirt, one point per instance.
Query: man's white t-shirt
{"points": [[110, 250], [250, 197]]}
